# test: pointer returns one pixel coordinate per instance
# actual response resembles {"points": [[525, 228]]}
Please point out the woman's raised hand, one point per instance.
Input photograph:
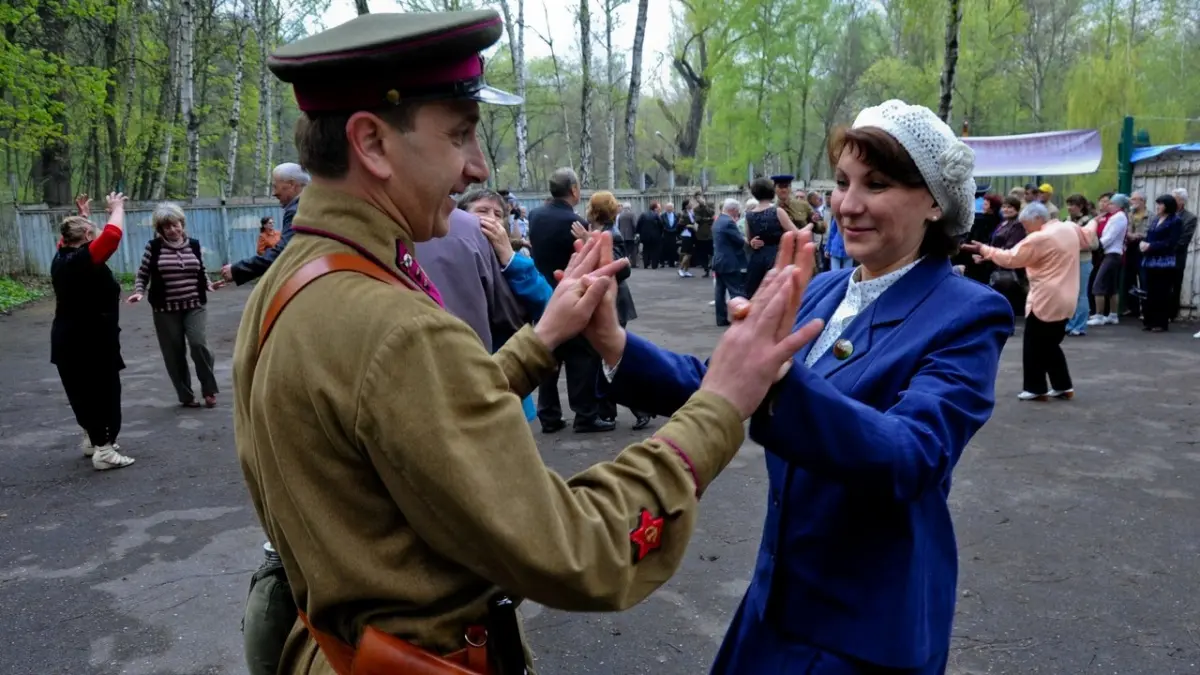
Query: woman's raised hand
{"points": [[582, 286], [754, 351]]}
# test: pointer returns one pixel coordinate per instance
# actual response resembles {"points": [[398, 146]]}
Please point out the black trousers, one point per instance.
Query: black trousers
{"points": [[650, 253], [668, 250], [94, 392], [1160, 288], [1133, 267], [702, 257], [733, 283], [583, 367], [1043, 355]]}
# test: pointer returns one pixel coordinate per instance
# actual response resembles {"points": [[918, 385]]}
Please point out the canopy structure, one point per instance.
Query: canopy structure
{"points": [[1050, 153], [1143, 154]]}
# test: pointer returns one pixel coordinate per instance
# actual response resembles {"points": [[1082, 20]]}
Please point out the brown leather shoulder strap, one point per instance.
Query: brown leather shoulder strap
{"points": [[317, 268]]}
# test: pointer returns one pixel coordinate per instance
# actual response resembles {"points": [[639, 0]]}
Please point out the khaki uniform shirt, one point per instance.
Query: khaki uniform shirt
{"points": [[390, 463], [800, 211]]}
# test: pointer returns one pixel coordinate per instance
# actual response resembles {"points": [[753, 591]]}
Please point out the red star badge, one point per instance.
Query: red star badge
{"points": [[647, 536]]}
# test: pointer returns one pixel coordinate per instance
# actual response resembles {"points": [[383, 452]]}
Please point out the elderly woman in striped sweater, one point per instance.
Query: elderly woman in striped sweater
{"points": [[172, 276]]}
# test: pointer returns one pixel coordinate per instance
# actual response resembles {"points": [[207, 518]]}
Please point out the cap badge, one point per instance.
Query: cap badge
{"points": [[393, 97], [647, 536], [842, 349]]}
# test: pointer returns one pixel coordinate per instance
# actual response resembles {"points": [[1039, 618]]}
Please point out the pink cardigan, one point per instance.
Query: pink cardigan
{"points": [[1050, 257]]}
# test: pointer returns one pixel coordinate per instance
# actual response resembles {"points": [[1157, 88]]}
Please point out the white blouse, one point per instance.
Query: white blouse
{"points": [[859, 295]]}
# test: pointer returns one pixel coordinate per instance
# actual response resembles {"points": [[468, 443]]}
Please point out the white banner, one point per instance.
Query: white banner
{"points": [[1052, 153]]}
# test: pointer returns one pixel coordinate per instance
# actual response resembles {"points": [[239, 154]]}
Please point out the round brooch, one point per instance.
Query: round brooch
{"points": [[842, 349]]}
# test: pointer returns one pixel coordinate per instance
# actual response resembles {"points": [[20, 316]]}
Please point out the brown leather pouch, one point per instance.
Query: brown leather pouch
{"points": [[381, 654]]}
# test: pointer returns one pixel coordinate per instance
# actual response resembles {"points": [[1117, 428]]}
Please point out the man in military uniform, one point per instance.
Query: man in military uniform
{"points": [[797, 209], [385, 451]]}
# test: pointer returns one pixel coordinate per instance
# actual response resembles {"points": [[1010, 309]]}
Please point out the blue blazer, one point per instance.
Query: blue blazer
{"points": [[729, 247], [858, 555]]}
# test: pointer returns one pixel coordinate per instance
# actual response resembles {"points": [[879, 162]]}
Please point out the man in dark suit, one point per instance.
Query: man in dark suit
{"points": [[729, 258], [668, 250], [649, 230], [288, 180], [553, 243]]}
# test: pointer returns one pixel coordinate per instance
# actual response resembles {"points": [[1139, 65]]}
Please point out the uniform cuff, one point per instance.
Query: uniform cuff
{"points": [[706, 433], [525, 361]]}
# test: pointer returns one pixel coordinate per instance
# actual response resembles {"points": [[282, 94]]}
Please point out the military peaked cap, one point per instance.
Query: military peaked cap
{"points": [[375, 60], [783, 179]]}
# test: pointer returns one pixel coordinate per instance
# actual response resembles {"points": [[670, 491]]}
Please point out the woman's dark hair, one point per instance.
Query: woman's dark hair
{"points": [[479, 195], [1080, 201], [262, 224], [1106, 195], [995, 201], [1169, 204], [762, 189], [1013, 202], [882, 152]]}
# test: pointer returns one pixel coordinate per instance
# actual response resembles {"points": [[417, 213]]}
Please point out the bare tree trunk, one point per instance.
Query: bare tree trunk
{"points": [[131, 75], [187, 102], [361, 6], [516, 49], [52, 166], [263, 143], [610, 7], [168, 120], [631, 101], [112, 34], [953, 22], [585, 103], [242, 23]]}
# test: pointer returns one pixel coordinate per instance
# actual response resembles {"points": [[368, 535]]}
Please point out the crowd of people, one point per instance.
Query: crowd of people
{"points": [[385, 363]]}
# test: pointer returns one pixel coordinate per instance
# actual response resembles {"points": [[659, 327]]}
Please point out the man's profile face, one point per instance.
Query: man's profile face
{"points": [[439, 157], [284, 190], [783, 192]]}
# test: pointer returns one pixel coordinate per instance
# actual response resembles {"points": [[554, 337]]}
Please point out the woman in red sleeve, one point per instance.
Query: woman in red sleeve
{"points": [[85, 336]]}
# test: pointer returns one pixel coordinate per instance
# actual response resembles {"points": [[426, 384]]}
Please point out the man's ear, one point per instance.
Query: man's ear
{"points": [[367, 136]]}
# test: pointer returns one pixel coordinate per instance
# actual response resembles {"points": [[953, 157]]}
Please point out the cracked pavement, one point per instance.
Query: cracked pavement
{"points": [[1079, 539]]}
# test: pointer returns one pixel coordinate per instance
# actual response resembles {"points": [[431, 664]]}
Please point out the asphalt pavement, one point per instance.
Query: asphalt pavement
{"points": [[1078, 522]]}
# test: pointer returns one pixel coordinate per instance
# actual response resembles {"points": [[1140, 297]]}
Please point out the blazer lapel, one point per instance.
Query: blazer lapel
{"points": [[822, 308], [888, 310]]}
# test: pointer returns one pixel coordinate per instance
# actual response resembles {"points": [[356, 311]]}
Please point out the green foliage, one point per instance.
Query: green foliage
{"points": [[14, 293]]}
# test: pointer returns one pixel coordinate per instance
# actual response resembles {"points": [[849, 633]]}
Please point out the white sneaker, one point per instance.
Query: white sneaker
{"points": [[1028, 396], [1097, 320], [88, 448], [1066, 394], [1197, 335], [1113, 319], [106, 457]]}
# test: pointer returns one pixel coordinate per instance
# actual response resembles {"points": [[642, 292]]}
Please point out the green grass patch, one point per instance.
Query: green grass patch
{"points": [[14, 293]]}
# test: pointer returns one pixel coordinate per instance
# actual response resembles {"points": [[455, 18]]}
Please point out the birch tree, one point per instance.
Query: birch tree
{"points": [[187, 103], [242, 29], [516, 50], [954, 15], [610, 10], [633, 173], [585, 98]]}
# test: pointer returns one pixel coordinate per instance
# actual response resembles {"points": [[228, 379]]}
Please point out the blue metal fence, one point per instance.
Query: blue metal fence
{"points": [[229, 232], [226, 234]]}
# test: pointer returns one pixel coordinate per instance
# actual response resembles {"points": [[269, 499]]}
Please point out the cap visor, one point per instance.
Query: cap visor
{"points": [[494, 96]]}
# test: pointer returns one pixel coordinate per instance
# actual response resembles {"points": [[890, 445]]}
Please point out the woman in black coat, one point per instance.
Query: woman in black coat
{"points": [[602, 211], [85, 336]]}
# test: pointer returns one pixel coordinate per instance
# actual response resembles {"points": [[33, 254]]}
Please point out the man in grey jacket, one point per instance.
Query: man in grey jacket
{"points": [[288, 180], [1186, 232]]}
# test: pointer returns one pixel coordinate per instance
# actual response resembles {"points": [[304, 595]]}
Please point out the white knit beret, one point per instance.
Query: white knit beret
{"points": [[946, 163]]}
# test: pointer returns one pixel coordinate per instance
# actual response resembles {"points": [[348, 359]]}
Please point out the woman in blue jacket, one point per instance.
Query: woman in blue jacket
{"points": [[857, 568], [526, 282], [1158, 263]]}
